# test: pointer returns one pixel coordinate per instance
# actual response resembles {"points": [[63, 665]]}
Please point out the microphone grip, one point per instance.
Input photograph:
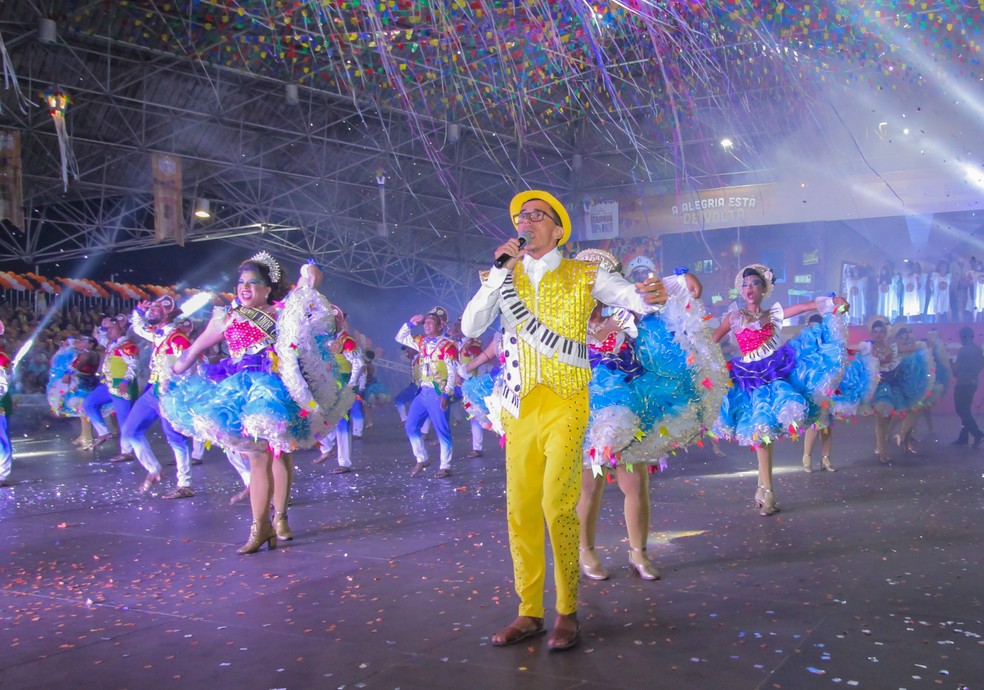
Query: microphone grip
{"points": [[503, 258]]}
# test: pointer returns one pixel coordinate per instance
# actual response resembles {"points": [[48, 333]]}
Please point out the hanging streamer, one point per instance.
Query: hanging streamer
{"points": [[10, 79]]}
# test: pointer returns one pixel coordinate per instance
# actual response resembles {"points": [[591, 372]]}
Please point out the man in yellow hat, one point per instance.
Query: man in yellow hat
{"points": [[544, 302]]}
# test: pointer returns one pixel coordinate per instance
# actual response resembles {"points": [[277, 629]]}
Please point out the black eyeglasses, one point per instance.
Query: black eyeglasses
{"points": [[534, 216]]}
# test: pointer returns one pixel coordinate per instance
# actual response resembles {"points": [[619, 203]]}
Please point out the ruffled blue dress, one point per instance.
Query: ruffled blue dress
{"points": [[856, 389], [656, 395], [779, 388], [65, 398], [275, 392], [905, 382]]}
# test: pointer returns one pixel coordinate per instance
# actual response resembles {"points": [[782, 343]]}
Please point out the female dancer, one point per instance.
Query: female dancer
{"points": [[262, 405], [889, 289], [664, 381], [777, 388], [939, 292], [72, 377], [478, 376], [914, 292], [907, 373], [854, 392], [944, 377]]}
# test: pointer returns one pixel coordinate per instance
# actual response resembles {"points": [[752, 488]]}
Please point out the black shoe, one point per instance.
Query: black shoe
{"points": [[959, 442], [978, 441]]}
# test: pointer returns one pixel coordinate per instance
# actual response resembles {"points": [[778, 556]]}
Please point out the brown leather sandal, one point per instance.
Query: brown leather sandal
{"points": [[148, 483], [563, 638], [513, 634]]}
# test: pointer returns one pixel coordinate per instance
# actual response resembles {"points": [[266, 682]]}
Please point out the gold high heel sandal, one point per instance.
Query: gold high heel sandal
{"points": [[807, 463], [642, 565], [260, 533], [768, 505], [825, 464], [760, 497], [281, 527], [592, 570]]}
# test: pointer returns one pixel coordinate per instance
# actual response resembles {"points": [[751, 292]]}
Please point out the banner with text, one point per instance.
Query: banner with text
{"points": [[11, 182], [602, 220], [168, 199]]}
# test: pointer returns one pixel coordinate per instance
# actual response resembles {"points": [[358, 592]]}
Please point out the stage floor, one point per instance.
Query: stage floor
{"points": [[870, 577]]}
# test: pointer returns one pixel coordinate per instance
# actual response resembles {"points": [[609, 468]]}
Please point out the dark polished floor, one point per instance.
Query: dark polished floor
{"points": [[870, 577]]}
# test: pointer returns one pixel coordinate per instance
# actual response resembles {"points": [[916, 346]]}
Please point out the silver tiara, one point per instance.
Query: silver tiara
{"points": [[267, 260]]}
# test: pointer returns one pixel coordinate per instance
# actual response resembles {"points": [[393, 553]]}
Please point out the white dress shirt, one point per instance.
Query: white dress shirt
{"points": [[611, 289]]}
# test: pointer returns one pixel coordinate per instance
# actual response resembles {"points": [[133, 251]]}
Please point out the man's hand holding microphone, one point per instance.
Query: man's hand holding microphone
{"points": [[507, 254]]}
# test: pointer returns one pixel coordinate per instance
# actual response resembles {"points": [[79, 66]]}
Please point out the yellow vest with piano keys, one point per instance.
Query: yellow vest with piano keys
{"points": [[563, 303]]}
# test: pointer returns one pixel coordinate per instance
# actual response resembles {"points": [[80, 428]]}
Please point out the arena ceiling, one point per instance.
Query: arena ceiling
{"points": [[415, 122]]}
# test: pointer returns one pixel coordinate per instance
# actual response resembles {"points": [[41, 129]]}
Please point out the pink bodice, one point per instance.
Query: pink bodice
{"points": [[750, 339], [756, 339], [243, 336], [615, 342]]}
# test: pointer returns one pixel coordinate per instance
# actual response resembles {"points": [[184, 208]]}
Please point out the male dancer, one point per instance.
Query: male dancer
{"points": [[118, 382], [154, 321], [544, 302], [438, 363]]}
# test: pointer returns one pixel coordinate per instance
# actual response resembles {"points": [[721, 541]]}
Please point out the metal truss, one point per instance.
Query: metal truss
{"points": [[372, 188], [302, 181]]}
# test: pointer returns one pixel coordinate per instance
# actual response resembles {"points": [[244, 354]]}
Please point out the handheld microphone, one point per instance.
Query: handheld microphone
{"points": [[524, 238]]}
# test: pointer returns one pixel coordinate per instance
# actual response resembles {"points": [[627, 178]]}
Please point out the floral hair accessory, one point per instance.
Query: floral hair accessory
{"points": [[266, 259], [761, 269]]}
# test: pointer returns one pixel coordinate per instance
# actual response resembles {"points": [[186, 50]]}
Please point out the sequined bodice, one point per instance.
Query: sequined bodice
{"points": [[750, 339], [757, 333], [613, 343], [245, 337]]}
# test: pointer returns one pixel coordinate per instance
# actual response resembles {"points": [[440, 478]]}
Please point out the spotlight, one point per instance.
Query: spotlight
{"points": [[47, 31], [727, 144], [203, 209], [291, 96]]}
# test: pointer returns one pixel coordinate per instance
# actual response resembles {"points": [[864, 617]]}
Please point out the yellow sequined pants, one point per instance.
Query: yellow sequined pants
{"points": [[543, 483]]}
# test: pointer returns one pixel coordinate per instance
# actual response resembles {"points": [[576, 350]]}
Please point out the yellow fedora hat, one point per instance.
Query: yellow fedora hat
{"points": [[516, 205]]}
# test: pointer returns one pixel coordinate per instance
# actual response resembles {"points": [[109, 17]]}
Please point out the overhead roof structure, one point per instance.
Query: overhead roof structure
{"points": [[384, 138]]}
